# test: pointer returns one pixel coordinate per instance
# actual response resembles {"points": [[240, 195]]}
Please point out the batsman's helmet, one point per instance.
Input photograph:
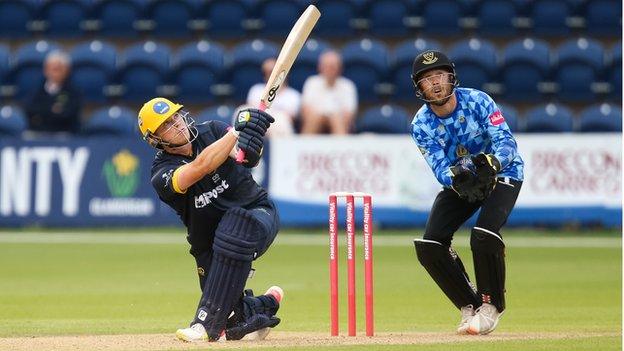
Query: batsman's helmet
{"points": [[428, 60], [153, 114]]}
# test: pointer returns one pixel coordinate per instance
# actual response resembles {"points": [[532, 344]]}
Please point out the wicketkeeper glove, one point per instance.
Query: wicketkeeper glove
{"points": [[252, 146], [466, 184], [253, 119], [487, 167]]}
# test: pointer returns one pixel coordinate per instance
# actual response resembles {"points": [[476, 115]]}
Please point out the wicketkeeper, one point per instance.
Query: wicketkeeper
{"points": [[466, 142], [229, 218]]}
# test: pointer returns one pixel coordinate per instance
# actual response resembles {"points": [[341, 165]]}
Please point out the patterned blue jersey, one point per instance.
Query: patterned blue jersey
{"points": [[476, 125]]}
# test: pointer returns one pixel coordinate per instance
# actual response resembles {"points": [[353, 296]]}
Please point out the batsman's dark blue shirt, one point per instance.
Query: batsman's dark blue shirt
{"points": [[203, 204], [476, 125]]}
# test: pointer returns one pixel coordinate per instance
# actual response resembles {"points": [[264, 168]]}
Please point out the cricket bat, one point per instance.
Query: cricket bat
{"points": [[293, 44]]}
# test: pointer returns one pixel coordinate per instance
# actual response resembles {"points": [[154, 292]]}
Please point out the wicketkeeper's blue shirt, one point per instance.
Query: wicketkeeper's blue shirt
{"points": [[476, 125]]}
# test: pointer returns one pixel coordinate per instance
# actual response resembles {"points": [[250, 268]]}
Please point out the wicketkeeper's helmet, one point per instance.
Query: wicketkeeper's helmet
{"points": [[429, 60]]}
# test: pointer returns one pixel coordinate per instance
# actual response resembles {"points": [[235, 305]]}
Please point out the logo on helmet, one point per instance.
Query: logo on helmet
{"points": [[161, 107], [429, 58]]}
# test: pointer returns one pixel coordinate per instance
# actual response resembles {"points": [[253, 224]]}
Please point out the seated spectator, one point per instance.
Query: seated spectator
{"points": [[329, 101], [55, 107], [285, 107]]}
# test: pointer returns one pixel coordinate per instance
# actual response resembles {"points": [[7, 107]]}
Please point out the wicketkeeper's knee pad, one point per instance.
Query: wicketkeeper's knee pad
{"points": [[238, 235], [445, 267], [488, 252]]}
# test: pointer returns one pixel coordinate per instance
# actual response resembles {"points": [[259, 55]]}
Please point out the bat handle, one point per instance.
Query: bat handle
{"points": [[240, 155]]}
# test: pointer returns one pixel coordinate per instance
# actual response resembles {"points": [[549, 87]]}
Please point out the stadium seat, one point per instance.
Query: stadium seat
{"points": [[113, 120], [475, 62], [336, 18], [93, 67], [245, 69], [4, 63], [525, 63], [12, 121], [196, 69], [171, 18], [386, 119], [401, 66], [117, 18], [603, 17], [578, 65], [511, 117], [601, 118], [63, 18], [614, 72], [223, 113], [549, 118], [277, 16], [495, 18], [27, 67], [549, 17], [15, 18], [386, 17], [441, 17], [306, 63], [225, 18], [144, 69], [365, 62]]}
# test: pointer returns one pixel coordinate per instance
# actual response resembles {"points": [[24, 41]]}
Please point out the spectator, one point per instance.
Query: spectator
{"points": [[285, 107], [55, 107], [329, 100]]}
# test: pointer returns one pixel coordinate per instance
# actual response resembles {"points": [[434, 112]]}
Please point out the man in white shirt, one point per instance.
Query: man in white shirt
{"points": [[329, 100], [285, 107]]}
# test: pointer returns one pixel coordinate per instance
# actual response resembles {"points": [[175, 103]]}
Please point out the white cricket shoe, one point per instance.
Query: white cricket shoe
{"points": [[278, 294], [467, 313], [194, 333], [485, 320]]}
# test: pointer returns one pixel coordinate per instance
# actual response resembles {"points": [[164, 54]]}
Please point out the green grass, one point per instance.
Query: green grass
{"points": [[103, 283]]}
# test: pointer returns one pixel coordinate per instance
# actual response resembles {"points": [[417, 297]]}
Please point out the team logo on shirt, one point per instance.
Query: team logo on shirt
{"points": [[429, 58], [462, 119], [205, 198], [461, 151]]}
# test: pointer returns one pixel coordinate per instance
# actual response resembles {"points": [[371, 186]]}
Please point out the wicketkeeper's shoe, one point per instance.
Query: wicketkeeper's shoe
{"points": [[467, 312], [261, 334], [485, 320], [194, 333]]}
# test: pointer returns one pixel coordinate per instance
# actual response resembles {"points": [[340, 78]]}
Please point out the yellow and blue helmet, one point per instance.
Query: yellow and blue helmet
{"points": [[153, 114]]}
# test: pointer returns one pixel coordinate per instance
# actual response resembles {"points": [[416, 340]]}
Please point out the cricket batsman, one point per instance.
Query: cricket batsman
{"points": [[230, 220], [465, 140]]}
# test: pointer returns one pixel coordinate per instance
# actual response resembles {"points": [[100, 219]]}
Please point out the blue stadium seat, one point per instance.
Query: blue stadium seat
{"points": [[601, 118], [197, 66], [117, 18], [4, 63], [113, 120], [386, 119], [614, 73], [525, 63], [603, 17], [223, 113], [475, 62], [245, 69], [277, 16], [549, 17], [511, 117], [336, 18], [172, 17], [15, 17], [63, 18], [365, 62], [441, 17], [306, 63], [12, 121], [549, 118], [386, 17], [144, 69], [27, 67], [93, 68], [579, 64], [401, 65], [225, 18], [496, 18]]}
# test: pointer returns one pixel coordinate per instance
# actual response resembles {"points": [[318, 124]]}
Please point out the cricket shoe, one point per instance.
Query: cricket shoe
{"points": [[261, 334], [194, 333], [467, 313], [485, 320]]}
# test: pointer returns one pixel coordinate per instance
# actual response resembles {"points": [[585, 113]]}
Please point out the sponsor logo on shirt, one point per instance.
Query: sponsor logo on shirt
{"points": [[496, 118], [206, 198]]}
